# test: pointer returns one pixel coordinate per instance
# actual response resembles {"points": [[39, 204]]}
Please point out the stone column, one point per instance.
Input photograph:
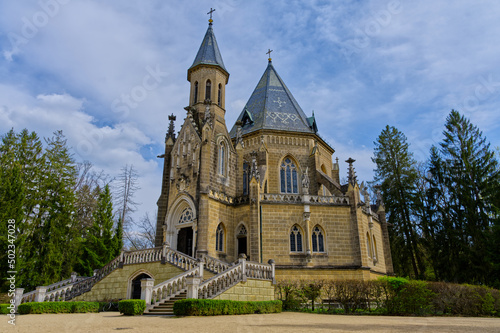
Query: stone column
{"points": [[307, 222], [242, 261], [147, 290], [193, 284], [40, 294], [166, 246], [18, 297], [73, 277], [202, 266], [271, 262]]}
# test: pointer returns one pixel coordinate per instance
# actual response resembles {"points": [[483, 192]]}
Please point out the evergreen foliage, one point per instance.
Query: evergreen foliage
{"points": [[397, 174], [445, 214], [63, 218]]}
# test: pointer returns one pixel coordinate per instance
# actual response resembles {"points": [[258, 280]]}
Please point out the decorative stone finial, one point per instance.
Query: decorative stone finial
{"points": [[171, 130], [351, 173]]}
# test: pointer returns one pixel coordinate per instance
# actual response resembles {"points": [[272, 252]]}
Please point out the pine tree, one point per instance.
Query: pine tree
{"points": [[396, 172], [98, 246], [56, 234], [12, 205], [470, 177]]}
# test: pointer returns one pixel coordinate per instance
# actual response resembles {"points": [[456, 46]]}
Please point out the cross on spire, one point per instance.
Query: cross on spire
{"points": [[269, 52], [210, 13]]}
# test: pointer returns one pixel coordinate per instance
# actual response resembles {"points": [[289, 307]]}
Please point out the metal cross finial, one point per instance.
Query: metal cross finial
{"points": [[269, 52], [210, 13]]}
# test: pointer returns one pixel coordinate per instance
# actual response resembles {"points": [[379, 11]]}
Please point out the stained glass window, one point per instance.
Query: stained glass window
{"points": [[318, 242], [219, 238], [295, 240], [186, 216], [289, 177]]}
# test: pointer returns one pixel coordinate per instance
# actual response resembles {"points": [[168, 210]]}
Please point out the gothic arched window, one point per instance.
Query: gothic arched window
{"points": [[186, 216], [246, 173], [208, 90], [195, 92], [222, 158], [288, 176], [219, 95], [318, 240], [219, 238], [375, 252], [295, 239]]}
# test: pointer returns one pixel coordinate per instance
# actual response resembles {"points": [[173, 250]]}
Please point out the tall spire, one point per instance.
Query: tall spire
{"points": [[208, 53], [272, 106]]}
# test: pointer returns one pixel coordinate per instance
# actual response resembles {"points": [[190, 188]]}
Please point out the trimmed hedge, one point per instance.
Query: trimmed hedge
{"points": [[4, 308], [132, 307], [58, 307], [211, 307]]}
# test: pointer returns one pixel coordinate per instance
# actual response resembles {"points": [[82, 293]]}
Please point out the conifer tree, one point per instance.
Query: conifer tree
{"points": [[98, 246], [469, 178], [396, 172]]}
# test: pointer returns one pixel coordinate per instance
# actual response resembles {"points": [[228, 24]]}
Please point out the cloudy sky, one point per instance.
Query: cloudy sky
{"points": [[108, 73]]}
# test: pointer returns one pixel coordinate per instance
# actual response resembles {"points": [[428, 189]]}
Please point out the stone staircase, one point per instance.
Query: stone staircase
{"points": [[166, 308]]}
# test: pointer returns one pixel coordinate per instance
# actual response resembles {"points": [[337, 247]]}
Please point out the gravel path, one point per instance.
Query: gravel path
{"points": [[281, 322]]}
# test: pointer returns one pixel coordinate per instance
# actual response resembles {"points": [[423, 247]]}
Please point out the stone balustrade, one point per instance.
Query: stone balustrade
{"points": [[304, 199], [173, 286], [221, 282], [143, 256], [178, 259], [214, 265], [259, 271]]}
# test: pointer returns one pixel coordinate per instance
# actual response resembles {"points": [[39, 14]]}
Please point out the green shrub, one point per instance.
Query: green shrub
{"points": [[132, 307], [210, 307], [4, 308], [84, 307], [57, 307], [289, 292]]}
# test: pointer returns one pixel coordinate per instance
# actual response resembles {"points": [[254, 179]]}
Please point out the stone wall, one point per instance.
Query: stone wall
{"points": [[251, 290], [116, 285]]}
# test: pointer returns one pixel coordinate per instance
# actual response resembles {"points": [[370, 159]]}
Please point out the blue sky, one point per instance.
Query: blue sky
{"points": [[69, 64]]}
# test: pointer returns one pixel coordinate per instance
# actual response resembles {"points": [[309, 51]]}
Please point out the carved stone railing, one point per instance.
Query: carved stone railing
{"points": [[172, 287], [214, 265], [143, 256], [77, 285], [178, 259], [281, 198], [221, 282], [57, 291], [328, 200], [304, 199], [239, 273], [255, 270]]}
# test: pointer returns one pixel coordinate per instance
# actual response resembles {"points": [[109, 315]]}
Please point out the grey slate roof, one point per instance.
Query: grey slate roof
{"points": [[209, 53], [272, 106]]}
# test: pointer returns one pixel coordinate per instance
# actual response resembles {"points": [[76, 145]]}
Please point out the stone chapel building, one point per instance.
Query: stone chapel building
{"points": [[268, 188]]}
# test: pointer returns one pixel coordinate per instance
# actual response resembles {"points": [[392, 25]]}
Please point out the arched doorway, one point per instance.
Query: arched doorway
{"points": [[136, 285], [241, 239], [185, 241], [181, 226]]}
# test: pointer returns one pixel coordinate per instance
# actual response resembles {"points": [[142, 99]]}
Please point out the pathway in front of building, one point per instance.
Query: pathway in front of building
{"points": [[281, 322]]}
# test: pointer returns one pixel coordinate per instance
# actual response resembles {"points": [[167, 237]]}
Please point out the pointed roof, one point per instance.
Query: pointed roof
{"points": [[272, 106], [209, 53]]}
